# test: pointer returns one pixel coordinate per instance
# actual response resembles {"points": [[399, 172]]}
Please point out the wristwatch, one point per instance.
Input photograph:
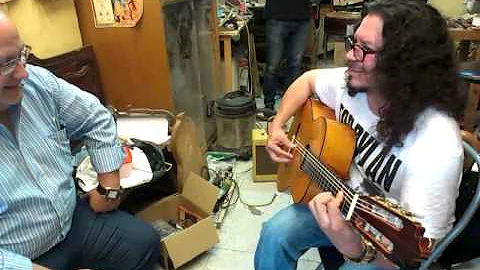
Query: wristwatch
{"points": [[108, 192], [368, 255]]}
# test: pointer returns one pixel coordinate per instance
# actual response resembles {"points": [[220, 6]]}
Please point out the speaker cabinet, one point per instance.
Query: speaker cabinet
{"points": [[264, 169]]}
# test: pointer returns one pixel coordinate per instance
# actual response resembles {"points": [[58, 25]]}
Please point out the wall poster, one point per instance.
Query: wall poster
{"points": [[117, 13]]}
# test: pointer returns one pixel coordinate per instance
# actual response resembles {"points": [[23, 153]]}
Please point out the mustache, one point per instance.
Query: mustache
{"points": [[354, 65], [352, 91]]}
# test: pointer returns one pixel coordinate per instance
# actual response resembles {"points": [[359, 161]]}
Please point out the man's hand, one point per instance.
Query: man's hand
{"points": [[39, 267], [326, 210], [97, 201], [278, 145]]}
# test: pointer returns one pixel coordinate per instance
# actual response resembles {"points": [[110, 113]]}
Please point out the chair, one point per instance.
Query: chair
{"points": [[470, 74], [472, 148], [78, 67]]}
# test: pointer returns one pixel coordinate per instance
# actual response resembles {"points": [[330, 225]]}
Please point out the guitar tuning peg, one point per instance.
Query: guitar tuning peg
{"points": [[392, 202], [411, 214]]}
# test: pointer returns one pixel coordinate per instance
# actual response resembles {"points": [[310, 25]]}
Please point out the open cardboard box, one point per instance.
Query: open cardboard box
{"points": [[199, 196]]}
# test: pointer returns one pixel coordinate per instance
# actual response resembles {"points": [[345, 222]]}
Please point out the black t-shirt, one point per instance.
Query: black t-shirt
{"points": [[287, 9]]}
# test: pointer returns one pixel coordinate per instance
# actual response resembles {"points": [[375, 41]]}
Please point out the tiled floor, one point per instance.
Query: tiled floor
{"points": [[241, 227]]}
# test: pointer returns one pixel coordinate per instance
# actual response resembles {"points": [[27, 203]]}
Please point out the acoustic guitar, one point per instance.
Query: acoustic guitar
{"points": [[322, 158]]}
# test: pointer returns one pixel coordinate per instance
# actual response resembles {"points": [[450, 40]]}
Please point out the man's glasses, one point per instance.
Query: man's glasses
{"points": [[359, 52], [7, 68]]}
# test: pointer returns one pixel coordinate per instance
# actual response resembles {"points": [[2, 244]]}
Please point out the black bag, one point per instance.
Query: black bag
{"points": [[162, 184]]}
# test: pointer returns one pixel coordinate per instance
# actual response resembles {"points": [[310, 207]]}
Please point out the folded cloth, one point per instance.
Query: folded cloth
{"points": [[141, 172]]}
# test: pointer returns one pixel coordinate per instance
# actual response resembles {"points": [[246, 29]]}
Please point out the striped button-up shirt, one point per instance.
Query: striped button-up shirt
{"points": [[37, 192]]}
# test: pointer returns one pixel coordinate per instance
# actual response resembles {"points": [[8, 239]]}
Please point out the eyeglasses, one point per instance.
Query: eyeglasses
{"points": [[7, 68], [359, 52]]}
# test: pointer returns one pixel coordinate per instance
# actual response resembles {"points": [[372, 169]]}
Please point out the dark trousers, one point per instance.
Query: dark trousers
{"points": [[283, 37], [114, 240], [331, 258]]}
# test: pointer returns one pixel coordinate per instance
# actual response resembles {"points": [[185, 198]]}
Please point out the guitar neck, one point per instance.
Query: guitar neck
{"points": [[327, 181]]}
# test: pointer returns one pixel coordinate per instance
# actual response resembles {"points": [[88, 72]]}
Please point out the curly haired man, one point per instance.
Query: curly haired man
{"points": [[399, 94]]}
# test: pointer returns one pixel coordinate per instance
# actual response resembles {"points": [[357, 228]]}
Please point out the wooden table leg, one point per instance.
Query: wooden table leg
{"points": [[227, 56], [463, 50], [339, 54], [471, 106]]}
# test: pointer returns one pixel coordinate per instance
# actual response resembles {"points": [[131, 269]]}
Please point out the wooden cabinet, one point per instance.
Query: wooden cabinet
{"points": [[132, 61], [168, 60]]}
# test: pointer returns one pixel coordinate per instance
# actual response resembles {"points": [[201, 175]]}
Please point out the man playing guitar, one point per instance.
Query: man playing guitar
{"points": [[399, 95]]}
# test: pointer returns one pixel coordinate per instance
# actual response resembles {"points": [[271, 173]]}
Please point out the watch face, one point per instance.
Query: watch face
{"points": [[112, 194]]}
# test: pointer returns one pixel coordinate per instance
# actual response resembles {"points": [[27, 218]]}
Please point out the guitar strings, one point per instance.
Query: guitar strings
{"points": [[363, 205], [332, 180], [340, 185]]}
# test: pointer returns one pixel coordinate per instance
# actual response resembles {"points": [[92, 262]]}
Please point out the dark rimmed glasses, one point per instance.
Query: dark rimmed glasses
{"points": [[359, 52], [9, 66]]}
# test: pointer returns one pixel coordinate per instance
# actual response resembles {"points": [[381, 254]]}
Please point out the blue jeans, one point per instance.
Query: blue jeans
{"points": [[289, 234], [281, 35], [114, 240]]}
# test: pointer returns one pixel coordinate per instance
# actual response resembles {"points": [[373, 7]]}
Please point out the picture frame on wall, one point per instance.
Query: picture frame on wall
{"points": [[117, 13]]}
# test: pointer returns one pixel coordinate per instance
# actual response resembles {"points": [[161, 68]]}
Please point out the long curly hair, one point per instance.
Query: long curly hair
{"points": [[416, 68]]}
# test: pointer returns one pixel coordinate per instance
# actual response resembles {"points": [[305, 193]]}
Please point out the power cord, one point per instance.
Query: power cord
{"points": [[226, 179], [251, 206]]}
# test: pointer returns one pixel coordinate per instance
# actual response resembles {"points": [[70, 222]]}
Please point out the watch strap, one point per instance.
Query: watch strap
{"points": [[101, 189], [368, 255], [104, 191]]}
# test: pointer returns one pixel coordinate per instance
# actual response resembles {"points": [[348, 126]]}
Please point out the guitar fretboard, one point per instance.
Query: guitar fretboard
{"points": [[326, 180]]}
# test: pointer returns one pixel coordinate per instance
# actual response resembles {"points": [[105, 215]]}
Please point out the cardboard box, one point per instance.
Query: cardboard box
{"points": [[264, 169], [199, 197]]}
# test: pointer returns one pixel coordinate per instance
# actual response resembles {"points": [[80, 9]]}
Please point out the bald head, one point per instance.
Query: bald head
{"points": [[11, 47], [8, 30], [10, 42]]}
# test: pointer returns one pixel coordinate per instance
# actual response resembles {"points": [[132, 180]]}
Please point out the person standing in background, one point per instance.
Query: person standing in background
{"points": [[286, 33]]}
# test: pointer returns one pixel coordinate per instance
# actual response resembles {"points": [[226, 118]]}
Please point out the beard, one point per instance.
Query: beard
{"points": [[352, 91]]}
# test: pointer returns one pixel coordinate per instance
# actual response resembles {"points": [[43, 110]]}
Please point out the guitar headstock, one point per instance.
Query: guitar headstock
{"points": [[393, 231]]}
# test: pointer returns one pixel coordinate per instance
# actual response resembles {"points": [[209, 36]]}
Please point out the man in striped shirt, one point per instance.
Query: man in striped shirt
{"points": [[42, 221]]}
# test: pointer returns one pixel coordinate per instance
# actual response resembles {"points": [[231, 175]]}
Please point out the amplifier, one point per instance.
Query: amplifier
{"points": [[264, 169]]}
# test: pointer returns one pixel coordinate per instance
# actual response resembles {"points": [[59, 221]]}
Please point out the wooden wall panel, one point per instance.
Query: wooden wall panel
{"points": [[133, 62]]}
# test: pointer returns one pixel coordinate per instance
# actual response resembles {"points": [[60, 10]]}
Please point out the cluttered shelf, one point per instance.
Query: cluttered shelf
{"points": [[234, 26], [228, 30], [466, 31], [472, 34]]}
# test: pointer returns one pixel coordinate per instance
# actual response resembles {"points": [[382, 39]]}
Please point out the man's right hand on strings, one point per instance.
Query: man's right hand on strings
{"points": [[278, 145]]}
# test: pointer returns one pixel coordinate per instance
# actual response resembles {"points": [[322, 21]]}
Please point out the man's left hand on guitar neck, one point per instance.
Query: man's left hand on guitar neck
{"points": [[326, 209]]}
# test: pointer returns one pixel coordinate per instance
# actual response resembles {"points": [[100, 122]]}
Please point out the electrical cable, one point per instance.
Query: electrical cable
{"points": [[248, 204]]}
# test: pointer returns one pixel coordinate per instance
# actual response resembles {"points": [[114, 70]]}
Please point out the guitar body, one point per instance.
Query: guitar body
{"points": [[329, 141]]}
